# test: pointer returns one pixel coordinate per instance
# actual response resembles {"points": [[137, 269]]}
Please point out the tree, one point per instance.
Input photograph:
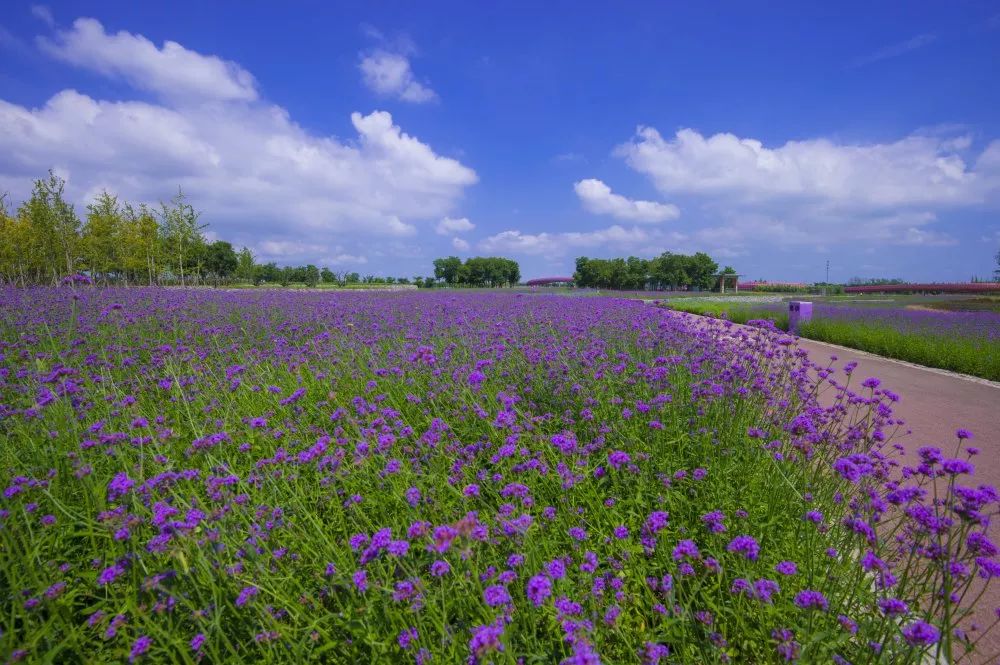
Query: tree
{"points": [[327, 276], [246, 266], [100, 238], [53, 245], [182, 236], [141, 247], [310, 275], [702, 270], [221, 259], [447, 268]]}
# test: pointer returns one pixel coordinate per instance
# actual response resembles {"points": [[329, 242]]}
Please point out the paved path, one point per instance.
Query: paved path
{"points": [[934, 403]]}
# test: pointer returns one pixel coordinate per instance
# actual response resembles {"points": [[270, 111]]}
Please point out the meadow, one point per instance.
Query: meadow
{"points": [[961, 336], [261, 476]]}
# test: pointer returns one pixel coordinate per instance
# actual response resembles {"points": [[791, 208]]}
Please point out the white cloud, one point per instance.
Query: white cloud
{"points": [[895, 50], [171, 71], [818, 191], [390, 75], [912, 171], [459, 244], [43, 14], [600, 200], [449, 225], [254, 172], [615, 237]]}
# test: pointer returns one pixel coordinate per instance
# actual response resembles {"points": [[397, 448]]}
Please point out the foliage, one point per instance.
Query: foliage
{"points": [[668, 270], [259, 477], [477, 271]]}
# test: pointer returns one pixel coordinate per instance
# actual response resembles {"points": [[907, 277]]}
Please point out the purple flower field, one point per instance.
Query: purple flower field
{"points": [[206, 476]]}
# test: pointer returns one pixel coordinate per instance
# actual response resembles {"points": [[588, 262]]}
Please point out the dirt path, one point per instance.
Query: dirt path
{"points": [[935, 403]]}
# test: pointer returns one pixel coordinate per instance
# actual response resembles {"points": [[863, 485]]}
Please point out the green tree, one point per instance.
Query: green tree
{"points": [[447, 269], [101, 237], [141, 244], [246, 266], [53, 248], [310, 275], [181, 235], [221, 260]]}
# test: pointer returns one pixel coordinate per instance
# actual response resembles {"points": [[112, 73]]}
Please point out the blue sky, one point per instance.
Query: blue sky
{"points": [[376, 137]]}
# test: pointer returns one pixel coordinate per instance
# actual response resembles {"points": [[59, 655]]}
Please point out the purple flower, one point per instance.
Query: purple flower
{"points": [[686, 548], [653, 653], [713, 521], [496, 595], [440, 568], [618, 458], [485, 639], [892, 607], [745, 545], [787, 568], [360, 579], [110, 574], [811, 600], [245, 595], [962, 434], [763, 590], [197, 642], [139, 647], [957, 466], [407, 637], [539, 589], [921, 633]]}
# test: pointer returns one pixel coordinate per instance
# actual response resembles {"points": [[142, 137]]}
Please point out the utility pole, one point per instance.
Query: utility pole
{"points": [[827, 282]]}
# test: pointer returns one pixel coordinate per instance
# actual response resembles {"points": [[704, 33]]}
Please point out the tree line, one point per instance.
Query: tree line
{"points": [[480, 271], [666, 271], [44, 241]]}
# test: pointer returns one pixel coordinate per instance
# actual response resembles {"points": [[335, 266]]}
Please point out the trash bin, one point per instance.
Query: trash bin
{"points": [[798, 312]]}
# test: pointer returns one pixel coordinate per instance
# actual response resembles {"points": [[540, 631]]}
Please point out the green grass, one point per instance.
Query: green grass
{"points": [[735, 312], [967, 355]]}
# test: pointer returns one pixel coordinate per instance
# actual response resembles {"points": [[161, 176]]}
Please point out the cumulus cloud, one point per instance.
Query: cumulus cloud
{"points": [[598, 198], [259, 177], [449, 225], [171, 71], [913, 170], [551, 245], [821, 191], [390, 75], [43, 14], [459, 244]]}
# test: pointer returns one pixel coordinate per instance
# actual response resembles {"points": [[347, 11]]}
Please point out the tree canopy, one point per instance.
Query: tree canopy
{"points": [[668, 270], [488, 271]]}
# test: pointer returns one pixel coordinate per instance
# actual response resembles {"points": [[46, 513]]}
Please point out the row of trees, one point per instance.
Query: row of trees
{"points": [[45, 241], [477, 271], [667, 271]]}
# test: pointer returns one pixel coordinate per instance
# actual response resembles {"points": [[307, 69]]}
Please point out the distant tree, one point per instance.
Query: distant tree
{"points": [[327, 276], [245, 265], [447, 268], [702, 270], [181, 234], [100, 237], [221, 260], [141, 248], [268, 273], [310, 275]]}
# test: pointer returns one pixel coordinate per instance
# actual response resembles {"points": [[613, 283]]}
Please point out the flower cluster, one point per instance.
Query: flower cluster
{"points": [[437, 477]]}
